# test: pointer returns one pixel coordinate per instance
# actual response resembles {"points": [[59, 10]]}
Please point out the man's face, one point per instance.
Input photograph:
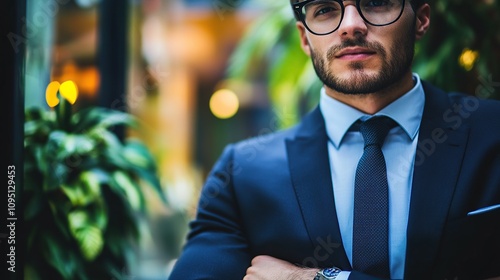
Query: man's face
{"points": [[359, 58]]}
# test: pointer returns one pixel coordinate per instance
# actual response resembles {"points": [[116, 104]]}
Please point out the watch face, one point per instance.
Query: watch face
{"points": [[330, 272]]}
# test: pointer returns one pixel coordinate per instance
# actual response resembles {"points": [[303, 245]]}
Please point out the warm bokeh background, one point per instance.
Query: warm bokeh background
{"points": [[197, 81]]}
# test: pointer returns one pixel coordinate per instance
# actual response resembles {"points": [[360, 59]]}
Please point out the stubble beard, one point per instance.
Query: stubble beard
{"points": [[359, 82]]}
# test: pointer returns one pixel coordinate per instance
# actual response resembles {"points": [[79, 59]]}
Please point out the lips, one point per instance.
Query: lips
{"points": [[354, 53]]}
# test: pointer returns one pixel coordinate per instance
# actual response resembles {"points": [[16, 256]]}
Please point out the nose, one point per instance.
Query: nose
{"points": [[352, 24]]}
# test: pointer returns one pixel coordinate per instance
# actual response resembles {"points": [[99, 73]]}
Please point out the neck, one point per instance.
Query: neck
{"points": [[371, 103]]}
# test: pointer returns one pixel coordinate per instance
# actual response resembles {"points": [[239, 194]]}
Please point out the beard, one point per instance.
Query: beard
{"points": [[393, 69]]}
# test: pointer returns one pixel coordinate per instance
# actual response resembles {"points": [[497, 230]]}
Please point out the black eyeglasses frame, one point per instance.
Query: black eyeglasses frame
{"points": [[297, 9]]}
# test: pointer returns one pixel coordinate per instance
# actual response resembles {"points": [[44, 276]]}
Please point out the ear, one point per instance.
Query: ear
{"points": [[423, 20], [304, 42]]}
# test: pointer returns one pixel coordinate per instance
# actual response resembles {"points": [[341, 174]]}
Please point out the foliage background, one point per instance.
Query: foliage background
{"points": [[85, 193], [461, 52], [178, 58]]}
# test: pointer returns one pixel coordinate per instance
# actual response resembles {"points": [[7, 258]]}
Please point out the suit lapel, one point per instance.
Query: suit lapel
{"points": [[439, 158], [437, 166], [310, 172]]}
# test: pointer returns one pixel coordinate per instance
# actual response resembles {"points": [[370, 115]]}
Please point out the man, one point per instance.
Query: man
{"points": [[297, 204]]}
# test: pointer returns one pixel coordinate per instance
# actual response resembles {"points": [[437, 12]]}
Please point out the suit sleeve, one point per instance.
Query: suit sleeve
{"points": [[216, 247]]}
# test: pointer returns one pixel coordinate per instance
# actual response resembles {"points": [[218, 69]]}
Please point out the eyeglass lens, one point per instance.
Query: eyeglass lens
{"points": [[324, 16]]}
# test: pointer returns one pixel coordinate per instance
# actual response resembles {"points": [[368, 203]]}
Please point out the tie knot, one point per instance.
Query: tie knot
{"points": [[375, 130]]}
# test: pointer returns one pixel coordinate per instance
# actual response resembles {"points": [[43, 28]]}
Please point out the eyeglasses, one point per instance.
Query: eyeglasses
{"points": [[322, 17]]}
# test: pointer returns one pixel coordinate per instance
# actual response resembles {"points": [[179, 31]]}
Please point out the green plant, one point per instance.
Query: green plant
{"points": [[83, 191], [272, 43]]}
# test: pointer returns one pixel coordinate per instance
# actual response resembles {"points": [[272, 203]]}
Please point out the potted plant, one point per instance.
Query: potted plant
{"points": [[84, 189]]}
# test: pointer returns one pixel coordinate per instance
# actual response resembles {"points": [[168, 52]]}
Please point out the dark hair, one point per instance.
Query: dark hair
{"points": [[414, 3], [417, 3]]}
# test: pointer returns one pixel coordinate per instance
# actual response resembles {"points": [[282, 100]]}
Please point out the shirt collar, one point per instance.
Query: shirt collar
{"points": [[407, 111]]}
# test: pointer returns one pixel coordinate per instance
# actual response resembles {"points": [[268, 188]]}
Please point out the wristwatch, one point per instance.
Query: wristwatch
{"points": [[327, 273]]}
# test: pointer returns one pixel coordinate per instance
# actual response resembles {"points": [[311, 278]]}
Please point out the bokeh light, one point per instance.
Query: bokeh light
{"points": [[224, 104], [468, 58]]}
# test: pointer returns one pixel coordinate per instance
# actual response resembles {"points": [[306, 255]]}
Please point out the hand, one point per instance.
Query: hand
{"points": [[266, 267]]}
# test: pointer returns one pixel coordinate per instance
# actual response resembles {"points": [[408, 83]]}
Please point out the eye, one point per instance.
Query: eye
{"points": [[323, 8], [377, 3]]}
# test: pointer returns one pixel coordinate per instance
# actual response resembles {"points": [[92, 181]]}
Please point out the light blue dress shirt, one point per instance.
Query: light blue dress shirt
{"points": [[345, 149]]}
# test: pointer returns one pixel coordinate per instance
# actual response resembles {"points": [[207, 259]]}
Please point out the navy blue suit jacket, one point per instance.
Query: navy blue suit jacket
{"points": [[272, 195]]}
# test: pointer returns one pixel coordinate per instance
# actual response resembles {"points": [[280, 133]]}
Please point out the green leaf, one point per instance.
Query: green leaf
{"points": [[61, 146], [76, 195], [285, 87], [55, 175], [40, 159], [59, 257], [137, 154], [97, 117], [108, 139], [91, 182], [55, 143], [78, 144], [33, 127], [258, 40], [154, 182], [130, 188], [100, 175], [59, 214], [91, 242], [116, 159], [117, 118], [78, 219], [87, 234]]}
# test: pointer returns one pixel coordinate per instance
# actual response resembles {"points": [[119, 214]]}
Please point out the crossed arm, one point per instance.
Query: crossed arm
{"points": [[267, 267]]}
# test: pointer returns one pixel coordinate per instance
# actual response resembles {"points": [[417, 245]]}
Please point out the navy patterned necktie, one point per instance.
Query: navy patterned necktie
{"points": [[370, 244]]}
